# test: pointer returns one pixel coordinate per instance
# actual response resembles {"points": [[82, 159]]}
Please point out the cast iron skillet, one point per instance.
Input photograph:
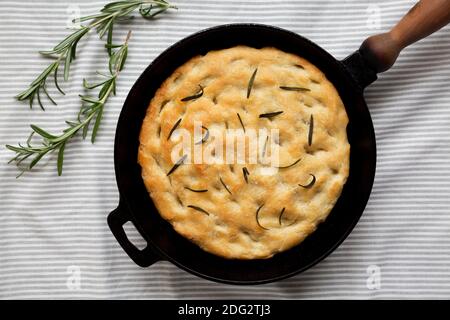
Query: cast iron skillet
{"points": [[349, 76]]}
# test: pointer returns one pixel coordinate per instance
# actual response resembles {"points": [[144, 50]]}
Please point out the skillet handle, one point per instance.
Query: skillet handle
{"points": [[116, 219], [426, 17]]}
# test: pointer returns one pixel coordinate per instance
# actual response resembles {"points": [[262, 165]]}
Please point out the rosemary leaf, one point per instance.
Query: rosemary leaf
{"points": [[270, 114], [224, 185], [250, 83], [42, 132], [294, 88], [196, 190], [310, 184], [311, 129], [257, 217], [280, 217], [48, 96], [245, 173], [265, 146], [37, 158], [175, 126], [205, 137], [199, 209], [150, 10], [39, 100], [177, 164], [98, 119], [59, 163], [195, 96], [109, 38], [55, 80], [240, 120], [290, 165], [86, 129]]}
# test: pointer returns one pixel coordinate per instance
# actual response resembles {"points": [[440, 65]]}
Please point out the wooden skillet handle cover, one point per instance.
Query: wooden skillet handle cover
{"points": [[426, 17]]}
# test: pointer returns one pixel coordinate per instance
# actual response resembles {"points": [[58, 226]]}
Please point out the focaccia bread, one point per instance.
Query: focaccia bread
{"points": [[237, 210]]}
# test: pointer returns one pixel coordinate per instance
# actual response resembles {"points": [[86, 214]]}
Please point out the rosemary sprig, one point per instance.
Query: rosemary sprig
{"points": [[92, 108], [103, 22], [311, 130], [311, 183], [195, 96], [250, 83]]}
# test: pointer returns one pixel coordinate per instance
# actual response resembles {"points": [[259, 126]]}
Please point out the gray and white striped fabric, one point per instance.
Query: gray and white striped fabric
{"points": [[54, 241]]}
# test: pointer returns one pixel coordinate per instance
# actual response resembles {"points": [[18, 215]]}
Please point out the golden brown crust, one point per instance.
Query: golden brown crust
{"points": [[231, 229]]}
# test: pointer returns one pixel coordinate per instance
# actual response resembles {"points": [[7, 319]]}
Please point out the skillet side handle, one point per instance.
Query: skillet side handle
{"points": [[427, 16], [116, 219]]}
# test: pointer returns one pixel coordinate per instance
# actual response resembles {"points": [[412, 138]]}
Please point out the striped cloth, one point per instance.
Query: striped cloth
{"points": [[54, 241]]}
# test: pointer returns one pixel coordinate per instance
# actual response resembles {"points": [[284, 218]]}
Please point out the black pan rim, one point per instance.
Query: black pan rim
{"points": [[163, 254]]}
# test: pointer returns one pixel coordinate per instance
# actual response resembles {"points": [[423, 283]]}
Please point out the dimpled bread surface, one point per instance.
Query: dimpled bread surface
{"points": [[223, 210]]}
